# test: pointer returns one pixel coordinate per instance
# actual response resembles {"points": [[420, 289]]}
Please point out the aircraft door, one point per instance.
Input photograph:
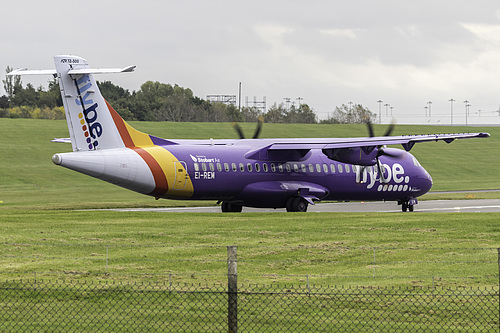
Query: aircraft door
{"points": [[180, 175]]}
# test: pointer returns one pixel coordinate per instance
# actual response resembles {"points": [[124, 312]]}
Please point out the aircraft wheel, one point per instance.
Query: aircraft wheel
{"points": [[299, 205], [410, 208], [228, 207], [404, 207]]}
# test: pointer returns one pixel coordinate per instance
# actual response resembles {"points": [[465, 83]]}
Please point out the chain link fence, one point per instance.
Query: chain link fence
{"points": [[46, 306]]}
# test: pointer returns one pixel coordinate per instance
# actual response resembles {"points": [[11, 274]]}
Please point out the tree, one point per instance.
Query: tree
{"points": [[50, 98], [25, 96], [4, 102], [275, 114], [11, 83], [303, 114], [356, 114]]}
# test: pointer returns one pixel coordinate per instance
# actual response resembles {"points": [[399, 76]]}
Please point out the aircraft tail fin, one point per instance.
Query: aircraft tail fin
{"points": [[90, 119], [93, 124]]}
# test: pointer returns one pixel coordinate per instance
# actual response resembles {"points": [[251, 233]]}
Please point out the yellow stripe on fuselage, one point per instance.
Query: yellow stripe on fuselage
{"points": [[140, 139], [167, 160]]}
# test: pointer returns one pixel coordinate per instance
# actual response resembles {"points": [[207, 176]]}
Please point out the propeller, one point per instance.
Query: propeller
{"points": [[256, 134], [380, 149]]}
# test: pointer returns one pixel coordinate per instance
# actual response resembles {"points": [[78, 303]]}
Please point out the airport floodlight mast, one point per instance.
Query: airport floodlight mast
{"points": [[287, 103], [451, 109], [379, 108]]}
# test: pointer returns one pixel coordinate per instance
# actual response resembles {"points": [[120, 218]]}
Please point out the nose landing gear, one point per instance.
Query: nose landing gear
{"points": [[407, 205]]}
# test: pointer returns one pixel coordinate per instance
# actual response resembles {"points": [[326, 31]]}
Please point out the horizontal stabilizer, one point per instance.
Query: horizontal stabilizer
{"points": [[61, 140], [25, 71], [82, 71]]}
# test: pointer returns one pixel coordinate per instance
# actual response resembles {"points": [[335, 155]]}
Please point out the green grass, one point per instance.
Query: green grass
{"points": [[330, 248]]}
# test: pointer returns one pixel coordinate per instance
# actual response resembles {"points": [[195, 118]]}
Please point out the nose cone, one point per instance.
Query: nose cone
{"points": [[57, 159], [424, 182]]}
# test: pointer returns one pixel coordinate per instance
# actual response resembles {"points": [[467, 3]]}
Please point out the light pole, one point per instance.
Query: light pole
{"points": [[466, 110], [429, 102], [379, 107], [451, 105], [386, 112], [299, 99], [287, 101]]}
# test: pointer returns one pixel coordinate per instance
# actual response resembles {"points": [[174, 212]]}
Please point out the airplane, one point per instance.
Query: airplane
{"points": [[264, 173]]}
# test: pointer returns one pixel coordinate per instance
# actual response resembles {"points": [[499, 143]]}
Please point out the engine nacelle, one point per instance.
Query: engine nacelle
{"points": [[357, 155]]}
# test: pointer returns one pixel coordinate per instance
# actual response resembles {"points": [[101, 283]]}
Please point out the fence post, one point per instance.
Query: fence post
{"points": [[498, 250], [232, 290]]}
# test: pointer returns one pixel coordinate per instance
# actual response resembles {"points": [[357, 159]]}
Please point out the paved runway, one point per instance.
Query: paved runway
{"points": [[456, 206]]}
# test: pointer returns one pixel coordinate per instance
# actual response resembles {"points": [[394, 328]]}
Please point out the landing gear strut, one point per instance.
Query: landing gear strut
{"points": [[296, 204]]}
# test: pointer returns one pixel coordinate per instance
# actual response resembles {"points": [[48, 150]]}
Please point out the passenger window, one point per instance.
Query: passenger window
{"points": [[332, 168], [288, 168], [196, 167], [318, 168], [264, 167], [249, 167], [295, 167], [280, 167], [226, 167], [303, 167], [273, 167], [233, 165], [211, 165], [203, 167], [311, 168], [325, 168], [242, 167], [340, 168], [347, 169], [257, 167]]}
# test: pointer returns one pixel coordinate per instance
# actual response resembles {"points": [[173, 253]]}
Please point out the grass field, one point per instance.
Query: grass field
{"points": [[331, 248], [45, 231]]}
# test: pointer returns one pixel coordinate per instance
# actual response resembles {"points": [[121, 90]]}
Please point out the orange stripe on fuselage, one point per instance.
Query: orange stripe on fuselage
{"points": [[156, 169], [120, 125], [136, 140]]}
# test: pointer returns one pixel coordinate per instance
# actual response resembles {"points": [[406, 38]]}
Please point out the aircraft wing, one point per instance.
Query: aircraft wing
{"points": [[297, 148]]}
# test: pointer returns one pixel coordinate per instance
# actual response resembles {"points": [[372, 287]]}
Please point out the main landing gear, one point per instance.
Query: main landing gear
{"points": [[228, 207], [296, 204], [407, 205]]}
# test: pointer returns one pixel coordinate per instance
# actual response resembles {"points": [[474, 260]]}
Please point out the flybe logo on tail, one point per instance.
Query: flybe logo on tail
{"points": [[91, 128]]}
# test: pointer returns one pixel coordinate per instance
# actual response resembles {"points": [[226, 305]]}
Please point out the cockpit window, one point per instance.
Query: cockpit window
{"points": [[417, 164]]}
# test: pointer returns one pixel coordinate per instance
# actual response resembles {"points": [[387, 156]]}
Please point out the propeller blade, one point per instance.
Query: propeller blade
{"points": [[370, 129], [259, 128], [238, 129], [389, 130], [381, 172]]}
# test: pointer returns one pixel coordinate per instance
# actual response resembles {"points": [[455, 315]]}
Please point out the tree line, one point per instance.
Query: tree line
{"points": [[156, 101]]}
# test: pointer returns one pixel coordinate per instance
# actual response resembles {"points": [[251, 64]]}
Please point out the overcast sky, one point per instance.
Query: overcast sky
{"points": [[329, 53]]}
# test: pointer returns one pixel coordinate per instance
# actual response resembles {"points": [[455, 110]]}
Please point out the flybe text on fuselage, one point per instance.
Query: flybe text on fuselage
{"points": [[395, 173], [91, 128]]}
